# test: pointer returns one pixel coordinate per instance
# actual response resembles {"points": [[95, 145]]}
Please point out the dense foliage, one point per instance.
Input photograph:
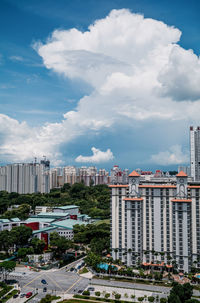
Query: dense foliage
{"points": [[97, 236], [5, 268], [92, 200], [180, 293], [17, 237], [59, 244]]}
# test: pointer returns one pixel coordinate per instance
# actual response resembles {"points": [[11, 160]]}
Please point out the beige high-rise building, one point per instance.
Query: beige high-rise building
{"points": [[156, 222]]}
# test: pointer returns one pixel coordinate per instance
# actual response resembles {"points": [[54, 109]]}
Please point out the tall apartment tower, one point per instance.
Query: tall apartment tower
{"points": [[25, 178], [156, 223], [195, 152]]}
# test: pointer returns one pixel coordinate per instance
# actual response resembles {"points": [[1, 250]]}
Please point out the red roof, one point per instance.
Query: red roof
{"points": [[181, 174], [151, 264], [133, 199], [134, 174], [169, 266], [194, 186], [181, 200]]}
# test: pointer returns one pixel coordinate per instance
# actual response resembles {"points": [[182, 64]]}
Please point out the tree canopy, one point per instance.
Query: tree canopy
{"points": [[92, 200], [180, 293]]}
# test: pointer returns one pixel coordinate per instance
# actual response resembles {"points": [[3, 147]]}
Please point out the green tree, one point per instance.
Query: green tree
{"points": [[38, 245], [92, 260], [20, 235], [180, 293], [7, 267], [66, 187], [60, 244], [23, 252], [6, 241]]}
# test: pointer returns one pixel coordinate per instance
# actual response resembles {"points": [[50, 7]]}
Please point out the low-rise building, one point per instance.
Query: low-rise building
{"points": [[8, 224]]}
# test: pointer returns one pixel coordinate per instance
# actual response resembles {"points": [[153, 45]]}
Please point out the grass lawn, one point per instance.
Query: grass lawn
{"points": [[84, 270]]}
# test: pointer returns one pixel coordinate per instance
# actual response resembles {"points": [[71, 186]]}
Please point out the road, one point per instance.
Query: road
{"points": [[59, 282]]}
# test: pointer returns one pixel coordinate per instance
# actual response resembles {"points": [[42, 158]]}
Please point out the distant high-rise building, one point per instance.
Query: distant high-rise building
{"points": [[195, 152], [118, 176], [71, 174], [25, 178]]}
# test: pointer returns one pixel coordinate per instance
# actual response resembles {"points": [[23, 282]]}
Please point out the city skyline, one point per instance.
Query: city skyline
{"points": [[99, 83]]}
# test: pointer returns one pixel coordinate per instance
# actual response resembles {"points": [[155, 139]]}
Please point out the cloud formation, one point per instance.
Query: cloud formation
{"points": [[137, 71], [16, 58], [97, 157], [170, 157]]}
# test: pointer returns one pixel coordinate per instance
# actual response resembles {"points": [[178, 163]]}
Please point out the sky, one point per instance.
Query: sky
{"points": [[99, 82]]}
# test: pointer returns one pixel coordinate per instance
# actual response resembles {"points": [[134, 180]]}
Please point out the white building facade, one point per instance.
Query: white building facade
{"points": [[156, 222], [25, 178], [195, 152]]}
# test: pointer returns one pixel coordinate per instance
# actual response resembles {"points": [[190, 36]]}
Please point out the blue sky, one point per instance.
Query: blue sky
{"points": [[36, 89]]}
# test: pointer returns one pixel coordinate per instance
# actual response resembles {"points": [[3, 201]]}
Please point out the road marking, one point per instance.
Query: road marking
{"points": [[37, 277], [54, 282], [73, 285]]}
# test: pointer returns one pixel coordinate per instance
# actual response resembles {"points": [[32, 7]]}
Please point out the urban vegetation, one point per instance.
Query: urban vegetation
{"points": [[92, 200]]}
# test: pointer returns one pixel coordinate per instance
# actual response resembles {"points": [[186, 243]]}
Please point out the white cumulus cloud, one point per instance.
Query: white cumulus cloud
{"points": [[98, 156], [172, 156], [138, 74]]}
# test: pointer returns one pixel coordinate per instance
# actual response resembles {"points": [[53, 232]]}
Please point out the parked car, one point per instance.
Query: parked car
{"points": [[91, 289], [22, 295], [43, 281], [15, 296], [29, 294], [44, 289], [80, 291]]}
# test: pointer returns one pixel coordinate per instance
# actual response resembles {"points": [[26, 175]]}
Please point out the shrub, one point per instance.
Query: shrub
{"points": [[86, 292], [97, 293], [151, 299], [107, 295], [117, 296], [140, 299]]}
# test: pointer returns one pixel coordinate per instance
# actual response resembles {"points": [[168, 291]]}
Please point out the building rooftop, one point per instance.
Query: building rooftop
{"points": [[42, 220], [181, 174], [68, 223], [4, 221], [42, 230], [134, 174], [10, 220], [66, 207], [51, 215], [15, 220]]}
